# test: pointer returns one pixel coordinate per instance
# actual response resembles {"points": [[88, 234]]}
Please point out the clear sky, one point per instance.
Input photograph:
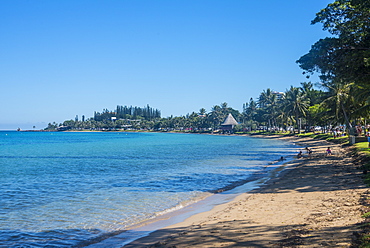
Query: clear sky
{"points": [[59, 59]]}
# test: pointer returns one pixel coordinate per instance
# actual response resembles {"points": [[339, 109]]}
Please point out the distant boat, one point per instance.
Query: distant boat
{"points": [[18, 129]]}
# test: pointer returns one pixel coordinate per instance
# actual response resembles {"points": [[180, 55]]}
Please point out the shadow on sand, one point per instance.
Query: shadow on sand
{"points": [[330, 175]]}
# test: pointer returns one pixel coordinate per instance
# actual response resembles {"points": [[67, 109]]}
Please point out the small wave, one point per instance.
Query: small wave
{"points": [[181, 205]]}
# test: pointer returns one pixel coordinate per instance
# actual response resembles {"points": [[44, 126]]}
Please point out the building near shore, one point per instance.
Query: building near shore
{"points": [[229, 123]]}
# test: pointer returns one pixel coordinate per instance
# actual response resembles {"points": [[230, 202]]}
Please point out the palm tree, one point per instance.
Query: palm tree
{"points": [[308, 91], [249, 113], [342, 102], [348, 101], [268, 101], [296, 104], [250, 110], [313, 96], [202, 111], [265, 98], [215, 116]]}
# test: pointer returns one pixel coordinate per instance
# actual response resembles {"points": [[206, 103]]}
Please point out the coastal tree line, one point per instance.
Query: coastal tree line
{"points": [[342, 62], [124, 112]]}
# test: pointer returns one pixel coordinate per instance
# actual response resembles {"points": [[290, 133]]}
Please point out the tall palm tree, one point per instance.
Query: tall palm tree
{"points": [[250, 110], [342, 102], [269, 103], [265, 98], [215, 116], [249, 113], [308, 91], [313, 96], [349, 102], [296, 104], [202, 111]]}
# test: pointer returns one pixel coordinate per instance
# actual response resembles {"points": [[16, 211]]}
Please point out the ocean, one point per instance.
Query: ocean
{"points": [[63, 189]]}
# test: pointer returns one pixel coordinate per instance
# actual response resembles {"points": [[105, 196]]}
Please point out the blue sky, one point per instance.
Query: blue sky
{"points": [[65, 58]]}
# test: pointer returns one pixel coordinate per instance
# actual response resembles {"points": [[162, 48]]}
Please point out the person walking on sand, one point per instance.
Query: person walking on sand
{"points": [[309, 151], [328, 151]]}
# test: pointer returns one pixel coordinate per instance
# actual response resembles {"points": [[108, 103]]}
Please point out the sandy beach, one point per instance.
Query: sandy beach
{"points": [[317, 201]]}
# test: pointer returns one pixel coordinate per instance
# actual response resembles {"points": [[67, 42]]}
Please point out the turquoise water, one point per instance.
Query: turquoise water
{"points": [[60, 189]]}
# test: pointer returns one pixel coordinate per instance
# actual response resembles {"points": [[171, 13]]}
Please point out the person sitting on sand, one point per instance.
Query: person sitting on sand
{"points": [[299, 154], [328, 151]]}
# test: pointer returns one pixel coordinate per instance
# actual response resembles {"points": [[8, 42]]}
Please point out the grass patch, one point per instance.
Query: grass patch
{"points": [[326, 136], [267, 133], [365, 242], [305, 135], [322, 136], [339, 140], [363, 147], [367, 177], [366, 215]]}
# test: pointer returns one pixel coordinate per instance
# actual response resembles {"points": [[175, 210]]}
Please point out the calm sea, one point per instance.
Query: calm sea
{"points": [[60, 189]]}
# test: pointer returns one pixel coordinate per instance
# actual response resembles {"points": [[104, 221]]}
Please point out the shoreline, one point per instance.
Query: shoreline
{"points": [[312, 202], [180, 213]]}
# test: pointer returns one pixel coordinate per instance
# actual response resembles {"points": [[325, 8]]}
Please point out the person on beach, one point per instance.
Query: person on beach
{"points": [[299, 154], [328, 151], [278, 160], [309, 151]]}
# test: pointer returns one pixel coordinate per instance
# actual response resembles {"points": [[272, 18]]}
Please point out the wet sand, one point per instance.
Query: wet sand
{"points": [[314, 202]]}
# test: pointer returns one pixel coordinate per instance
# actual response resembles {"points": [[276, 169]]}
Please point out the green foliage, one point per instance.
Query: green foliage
{"points": [[124, 112], [366, 177], [346, 54], [366, 215], [342, 62], [366, 242], [318, 115]]}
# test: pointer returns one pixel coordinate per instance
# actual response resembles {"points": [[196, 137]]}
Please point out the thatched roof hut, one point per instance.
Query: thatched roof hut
{"points": [[229, 123]]}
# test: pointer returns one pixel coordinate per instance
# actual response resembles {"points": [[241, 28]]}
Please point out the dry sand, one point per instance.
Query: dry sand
{"points": [[315, 202]]}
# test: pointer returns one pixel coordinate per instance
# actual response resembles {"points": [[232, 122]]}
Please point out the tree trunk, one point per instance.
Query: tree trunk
{"points": [[349, 130], [297, 121]]}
